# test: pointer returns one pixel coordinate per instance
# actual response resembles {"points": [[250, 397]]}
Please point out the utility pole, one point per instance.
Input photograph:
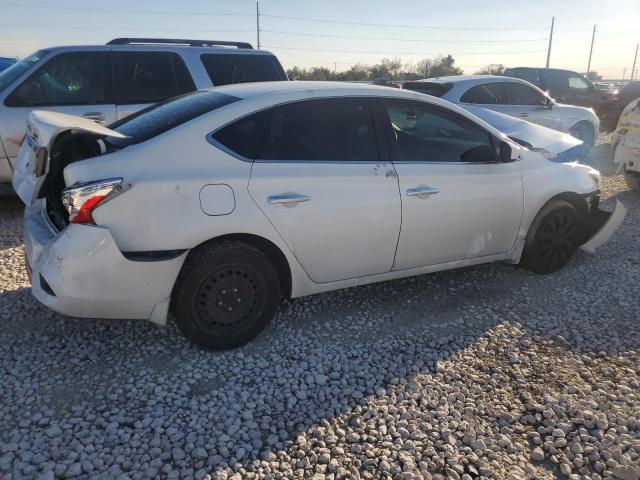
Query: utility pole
{"points": [[258, 23], [593, 36], [553, 19], [635, 57], [624, 73]]}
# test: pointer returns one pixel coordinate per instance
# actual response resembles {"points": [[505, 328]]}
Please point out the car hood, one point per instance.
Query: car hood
{"points": [[537, 136]]}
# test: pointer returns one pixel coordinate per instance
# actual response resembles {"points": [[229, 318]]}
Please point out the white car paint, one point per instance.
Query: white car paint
{"points": [[555, 115], [345, 235]]}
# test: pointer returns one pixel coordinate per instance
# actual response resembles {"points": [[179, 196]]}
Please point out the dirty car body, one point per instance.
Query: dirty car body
{"points": [[251, 193]]}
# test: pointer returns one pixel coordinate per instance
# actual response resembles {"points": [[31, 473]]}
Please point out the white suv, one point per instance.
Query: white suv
{"points": [[515, 97], [220, 202], [108, 82]]}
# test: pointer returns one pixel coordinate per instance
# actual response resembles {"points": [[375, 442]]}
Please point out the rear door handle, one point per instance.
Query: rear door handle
{"points": [[287, 199], [95, 116], [523, 114], [422, 191]]}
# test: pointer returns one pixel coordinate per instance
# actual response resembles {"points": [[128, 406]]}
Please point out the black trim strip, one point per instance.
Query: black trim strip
{"points": [[153, 256]]}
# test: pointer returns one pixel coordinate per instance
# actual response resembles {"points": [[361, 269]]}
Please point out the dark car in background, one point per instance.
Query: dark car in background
{"points": [[564, 86], [612, 109]]}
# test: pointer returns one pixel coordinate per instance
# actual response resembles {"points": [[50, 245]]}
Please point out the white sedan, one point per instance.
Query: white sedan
{"points": [[515, 97], [217, 204]]}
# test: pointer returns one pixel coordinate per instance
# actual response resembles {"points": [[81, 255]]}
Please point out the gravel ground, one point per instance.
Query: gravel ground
{"points": [[487, 372]]}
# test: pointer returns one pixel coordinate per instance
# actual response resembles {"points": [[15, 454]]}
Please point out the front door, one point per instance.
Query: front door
{"points": [[458, 202], [327, 190]]}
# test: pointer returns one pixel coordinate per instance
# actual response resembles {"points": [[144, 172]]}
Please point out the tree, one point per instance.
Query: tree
{"points": [[492, 69], [437, 67]]}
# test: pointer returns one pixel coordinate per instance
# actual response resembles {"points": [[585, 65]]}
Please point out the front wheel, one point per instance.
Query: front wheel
{"points": [[583, 131], [553, 237], [633, 180], [225, 295]]}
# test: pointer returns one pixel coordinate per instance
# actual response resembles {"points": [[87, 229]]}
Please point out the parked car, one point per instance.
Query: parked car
{"points": [[516, 97], [6, 62], [108, 82], [617, 103], [219, 203], [564, 86]]}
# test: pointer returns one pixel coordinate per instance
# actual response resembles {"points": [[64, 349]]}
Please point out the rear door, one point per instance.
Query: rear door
{"points": [[77, 82], [144, 77], [490, 95], [327, 189], [531, 104]]}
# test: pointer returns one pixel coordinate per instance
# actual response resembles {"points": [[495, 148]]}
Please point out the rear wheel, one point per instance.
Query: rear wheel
{"points": [[553, 237], [226, 294], [583, 131]]}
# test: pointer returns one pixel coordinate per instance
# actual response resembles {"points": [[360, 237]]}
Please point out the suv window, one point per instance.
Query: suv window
{"points": [[529, 74], [578, 83], [485, 94], [422, 133], [11, 74], [72, 78], [145, 77], [226, 68], [329, 129], [243, 137], [520, 94], [162, 117]]}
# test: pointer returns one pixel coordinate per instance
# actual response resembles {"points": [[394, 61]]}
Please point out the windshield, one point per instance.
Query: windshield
{"points": [[162, 117], [8, 76]]}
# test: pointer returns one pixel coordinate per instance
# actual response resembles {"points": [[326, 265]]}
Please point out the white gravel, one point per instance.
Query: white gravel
{"points": [[484, 372]]}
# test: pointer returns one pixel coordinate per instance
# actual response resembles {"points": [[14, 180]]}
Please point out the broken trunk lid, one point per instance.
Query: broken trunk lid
{"points": [[43, 127]]}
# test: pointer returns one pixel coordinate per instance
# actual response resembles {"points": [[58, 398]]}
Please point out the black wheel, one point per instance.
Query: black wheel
{"points": [[633, 180], [583, 131], [225, 295], [553, 237]]}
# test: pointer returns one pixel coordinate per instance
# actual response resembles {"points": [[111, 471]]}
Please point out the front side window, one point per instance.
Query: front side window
{"points": [[578, 83], [12, 73], [73, 78], [339, 129], [145, 77], [422, 133], [226, 68], [485, 94], [521, 94]]}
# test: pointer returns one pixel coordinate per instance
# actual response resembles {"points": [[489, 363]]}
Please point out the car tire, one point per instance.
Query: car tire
{"points": [[633, 180], [225, 295], [553, 237], [583, 131]]}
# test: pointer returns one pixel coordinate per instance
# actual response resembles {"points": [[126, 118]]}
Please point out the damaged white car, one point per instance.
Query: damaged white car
{"points": [[217, 204], [626, 140]]}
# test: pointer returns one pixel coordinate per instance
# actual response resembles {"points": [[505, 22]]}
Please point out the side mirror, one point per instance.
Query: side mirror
{"points": [[548, 104], [30, 92], [505, 152]]}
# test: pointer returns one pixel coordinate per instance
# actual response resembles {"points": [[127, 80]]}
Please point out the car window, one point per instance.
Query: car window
{"points": [[145, 77], [530, 75], [485, 94], [162, 117], [329, 129], [423, 133], [224, 69], [428, 88], [520, 94], [13, 72], [243, 137], [73, 78], [557, 81], [578, 83]]}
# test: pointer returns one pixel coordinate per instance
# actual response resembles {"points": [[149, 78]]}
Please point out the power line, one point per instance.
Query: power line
{"points": [[399, 53], [344, 22], [110, 10], [128, 29], [402, 39]]}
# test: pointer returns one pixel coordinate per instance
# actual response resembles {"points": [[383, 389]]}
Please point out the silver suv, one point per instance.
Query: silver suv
{"points": [[108, 82]]}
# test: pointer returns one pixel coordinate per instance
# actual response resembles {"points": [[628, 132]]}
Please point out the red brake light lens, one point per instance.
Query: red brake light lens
{"points": [[81, 200]]}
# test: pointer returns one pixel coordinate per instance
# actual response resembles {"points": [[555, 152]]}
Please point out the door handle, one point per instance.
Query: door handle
{"points": [[523, 114], [95, 116], [287, 199], [421, 191]]}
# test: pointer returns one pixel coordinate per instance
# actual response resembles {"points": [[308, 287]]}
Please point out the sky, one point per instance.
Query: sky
{"points": [[340, 33]]}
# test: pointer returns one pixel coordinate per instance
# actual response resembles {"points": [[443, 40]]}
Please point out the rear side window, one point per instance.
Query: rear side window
{"points": [[145, 77], [428, 88], [73, 78], [485, 94], [339, 129], [162, 117], [521, 94], [224, 69], [243, 137]]}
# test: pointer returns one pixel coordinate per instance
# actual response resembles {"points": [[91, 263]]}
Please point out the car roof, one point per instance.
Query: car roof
{"points": [[467, 78]]}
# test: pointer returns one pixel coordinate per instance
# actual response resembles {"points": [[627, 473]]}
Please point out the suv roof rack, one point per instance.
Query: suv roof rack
{"points": [[177, 41]]}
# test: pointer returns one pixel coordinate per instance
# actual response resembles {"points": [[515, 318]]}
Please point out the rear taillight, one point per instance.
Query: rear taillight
{"points": [[81, 200]]}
